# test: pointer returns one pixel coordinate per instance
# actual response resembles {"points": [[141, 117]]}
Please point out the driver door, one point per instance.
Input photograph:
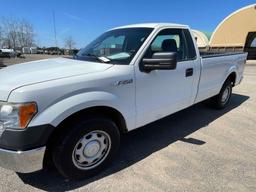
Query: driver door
{"points": [[163, 92]]}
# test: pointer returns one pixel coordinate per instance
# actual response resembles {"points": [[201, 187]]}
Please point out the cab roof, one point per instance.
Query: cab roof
{"points": [[153, 25]]}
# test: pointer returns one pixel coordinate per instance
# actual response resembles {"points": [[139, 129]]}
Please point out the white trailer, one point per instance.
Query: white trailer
{"points": [[26, 50], [33, 50]]}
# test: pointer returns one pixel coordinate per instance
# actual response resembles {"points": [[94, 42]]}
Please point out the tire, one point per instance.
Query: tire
{"points": [[221, 100], [86, 148]]}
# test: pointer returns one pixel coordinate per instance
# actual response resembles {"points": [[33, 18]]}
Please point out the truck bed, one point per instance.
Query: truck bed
{"points": [[215, 68], [209, 54]]}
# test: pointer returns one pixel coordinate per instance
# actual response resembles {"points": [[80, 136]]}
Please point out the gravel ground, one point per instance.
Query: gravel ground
{"points": [[197, 149]]}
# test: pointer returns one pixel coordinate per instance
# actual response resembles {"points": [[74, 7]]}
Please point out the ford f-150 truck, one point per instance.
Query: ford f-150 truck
{"points": [[72, 111]]}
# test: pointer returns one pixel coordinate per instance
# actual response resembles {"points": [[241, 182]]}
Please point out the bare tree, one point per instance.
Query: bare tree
{"points": [[17, 33], [25, 34], [70, 43], [1, 36], [10, 26]]}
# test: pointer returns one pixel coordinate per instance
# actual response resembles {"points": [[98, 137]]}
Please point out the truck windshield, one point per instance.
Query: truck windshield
{"points": [[116, 46]]}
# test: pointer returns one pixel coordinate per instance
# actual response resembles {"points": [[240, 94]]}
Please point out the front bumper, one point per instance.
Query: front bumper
{"points": [[27, 139], [23, 150], [22, 161]]}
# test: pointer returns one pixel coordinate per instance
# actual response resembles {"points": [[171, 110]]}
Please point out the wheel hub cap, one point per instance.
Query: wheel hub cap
{"points": [[225, 95], [91, 149]]}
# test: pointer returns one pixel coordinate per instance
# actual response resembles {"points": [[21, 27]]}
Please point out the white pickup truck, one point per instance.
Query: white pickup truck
{"points": [[73, 111]]}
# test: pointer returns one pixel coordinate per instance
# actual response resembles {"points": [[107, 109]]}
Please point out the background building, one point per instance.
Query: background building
{"points": [[201, 39], [237, 32]]}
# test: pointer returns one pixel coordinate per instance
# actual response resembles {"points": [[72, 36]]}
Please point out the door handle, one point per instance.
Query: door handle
{"points": [[189, 72]]}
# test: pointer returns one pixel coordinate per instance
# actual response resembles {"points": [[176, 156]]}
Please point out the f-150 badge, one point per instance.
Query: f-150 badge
{"points": [[123, 82]]}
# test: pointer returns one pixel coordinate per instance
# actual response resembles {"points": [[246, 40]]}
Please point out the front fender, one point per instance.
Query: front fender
{"points": [[59, 111]]}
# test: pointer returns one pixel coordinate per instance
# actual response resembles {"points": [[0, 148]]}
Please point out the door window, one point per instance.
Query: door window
{"points": [[172, 40], [168, 40]]}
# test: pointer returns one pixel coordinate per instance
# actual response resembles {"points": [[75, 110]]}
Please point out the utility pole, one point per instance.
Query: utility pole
{"points": [[55, 34]]}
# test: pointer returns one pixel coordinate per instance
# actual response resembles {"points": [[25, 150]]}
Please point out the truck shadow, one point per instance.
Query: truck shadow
{"points": [[141, 143]]}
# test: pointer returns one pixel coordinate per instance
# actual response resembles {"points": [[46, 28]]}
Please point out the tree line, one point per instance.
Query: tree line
{"points": [[16, 33]]}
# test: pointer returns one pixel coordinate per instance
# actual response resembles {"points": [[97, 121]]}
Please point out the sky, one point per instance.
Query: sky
{"points": [[85, 20]]}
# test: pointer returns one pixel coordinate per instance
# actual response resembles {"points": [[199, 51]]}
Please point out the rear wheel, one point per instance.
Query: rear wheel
{"points": [[221, 100], [86, 148]]}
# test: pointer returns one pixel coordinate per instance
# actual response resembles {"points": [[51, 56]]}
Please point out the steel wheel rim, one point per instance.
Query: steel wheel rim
{"points": [[91, 150], [225, 95]]}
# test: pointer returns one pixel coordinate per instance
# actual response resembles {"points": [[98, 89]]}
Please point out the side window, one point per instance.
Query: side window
{"points": [[156, 46], [168, 40], [173, 40]]}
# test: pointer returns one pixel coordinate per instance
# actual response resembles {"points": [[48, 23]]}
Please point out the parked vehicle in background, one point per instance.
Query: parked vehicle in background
{"points": [[7, 53], [33, 50], [26, 50], [18, 53], [73, 111], [40, 51]]}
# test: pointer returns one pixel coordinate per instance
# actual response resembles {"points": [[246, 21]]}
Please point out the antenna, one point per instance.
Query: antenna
{"points": [[54, 28]]}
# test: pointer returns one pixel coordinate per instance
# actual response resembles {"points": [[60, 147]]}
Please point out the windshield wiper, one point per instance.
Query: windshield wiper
{"points": [[101, 59]]}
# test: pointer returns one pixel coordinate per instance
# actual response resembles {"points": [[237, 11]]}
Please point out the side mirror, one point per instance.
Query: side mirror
{"points": [[160, 61]]}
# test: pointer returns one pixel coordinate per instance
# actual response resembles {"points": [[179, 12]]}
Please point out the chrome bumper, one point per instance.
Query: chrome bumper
{"points": [[22, 161]]}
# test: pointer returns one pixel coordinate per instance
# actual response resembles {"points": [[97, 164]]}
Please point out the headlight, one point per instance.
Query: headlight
{"points": [[16, 116]]}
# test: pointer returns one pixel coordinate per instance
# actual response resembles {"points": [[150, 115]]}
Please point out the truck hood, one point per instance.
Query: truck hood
{"points": [[34, 72]]}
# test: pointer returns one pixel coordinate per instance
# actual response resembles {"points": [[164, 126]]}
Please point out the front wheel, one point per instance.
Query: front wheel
{"points": [[221, 100], [87, 148]]}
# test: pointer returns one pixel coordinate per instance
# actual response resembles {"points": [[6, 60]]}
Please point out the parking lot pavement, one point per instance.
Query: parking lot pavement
{"points": [[197, 149], [26, 58]]}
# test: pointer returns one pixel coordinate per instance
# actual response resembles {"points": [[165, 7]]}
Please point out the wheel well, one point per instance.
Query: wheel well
{"points": [[106, 112], [232, 78]]}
